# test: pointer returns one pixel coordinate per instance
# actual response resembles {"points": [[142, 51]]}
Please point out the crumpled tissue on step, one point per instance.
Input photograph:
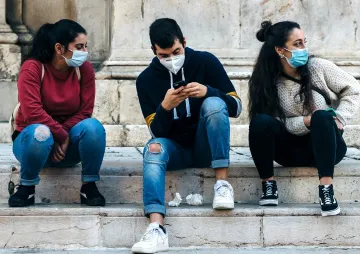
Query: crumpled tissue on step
{"points": [[194, 199], [176, 201]]}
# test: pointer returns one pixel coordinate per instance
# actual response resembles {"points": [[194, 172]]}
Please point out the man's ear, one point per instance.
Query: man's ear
{"points": [[153, 50], [184, 42]]}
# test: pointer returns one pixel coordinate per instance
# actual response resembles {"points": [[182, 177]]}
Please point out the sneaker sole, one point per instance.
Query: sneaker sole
{"points": [[150, 250], [22, 203], [330, 213], [223, 206], [92, 202], [269, 202]]}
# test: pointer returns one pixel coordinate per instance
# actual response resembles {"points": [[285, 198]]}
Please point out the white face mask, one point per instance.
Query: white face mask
{"points": [[174, 63]]}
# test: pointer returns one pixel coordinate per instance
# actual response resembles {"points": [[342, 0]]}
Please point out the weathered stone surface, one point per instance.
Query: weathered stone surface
{"points": [[130, 112], [138, 135], [305, 230], [107, 102], [115, 135], [206, 250], [352, 135], [49, 232], [119, 226], [31, 10], [241, 87], [10, 59], [310, 15], [5, 136], [8, 98], [128, 18], [93, 15], [180, 235]]}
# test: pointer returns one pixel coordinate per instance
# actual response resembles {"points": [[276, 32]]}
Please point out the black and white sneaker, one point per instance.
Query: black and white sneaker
{"points": [[328, 203], [270, 194], [90, 195], [24, 196]]}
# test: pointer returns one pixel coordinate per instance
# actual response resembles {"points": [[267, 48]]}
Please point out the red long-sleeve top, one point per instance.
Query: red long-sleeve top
{"points": [[60, 101]]}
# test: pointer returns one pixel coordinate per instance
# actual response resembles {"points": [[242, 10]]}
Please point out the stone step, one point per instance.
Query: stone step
{"points": [[138, 135], [119, 226], [121, 179], [199, 250]]}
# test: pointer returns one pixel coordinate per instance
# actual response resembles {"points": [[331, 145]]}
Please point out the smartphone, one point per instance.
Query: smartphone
{"points": [[179, 84]]}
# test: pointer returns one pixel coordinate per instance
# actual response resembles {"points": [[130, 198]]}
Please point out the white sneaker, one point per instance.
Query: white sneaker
{"points": [[223, 195], [154, 240]]}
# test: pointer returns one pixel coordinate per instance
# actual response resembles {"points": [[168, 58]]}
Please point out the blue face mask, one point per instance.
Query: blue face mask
{"points": [[299, 57], [77, 59]]}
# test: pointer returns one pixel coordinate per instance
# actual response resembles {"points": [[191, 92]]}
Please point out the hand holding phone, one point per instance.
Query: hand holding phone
{"points": [[173, 98]]}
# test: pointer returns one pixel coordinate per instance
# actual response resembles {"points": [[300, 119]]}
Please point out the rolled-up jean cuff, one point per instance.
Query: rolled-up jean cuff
{"points": [[154, 208], [89, 179], [30, 182], [220, 163]]}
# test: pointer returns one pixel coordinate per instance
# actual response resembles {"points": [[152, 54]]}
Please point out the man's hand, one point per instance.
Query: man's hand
{"points": [[173, 98], [60, 151], [195, 90]]}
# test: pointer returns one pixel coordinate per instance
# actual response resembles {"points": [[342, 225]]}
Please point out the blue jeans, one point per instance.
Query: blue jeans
{"points": [[211, 148], [33, 149]]}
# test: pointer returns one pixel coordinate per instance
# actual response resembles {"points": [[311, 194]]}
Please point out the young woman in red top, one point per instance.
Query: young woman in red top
{"points": [[53, 125]]}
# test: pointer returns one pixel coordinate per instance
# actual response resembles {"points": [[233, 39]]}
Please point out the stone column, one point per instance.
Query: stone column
{"points": [[14, 12], [9, 51], [10, 59]]}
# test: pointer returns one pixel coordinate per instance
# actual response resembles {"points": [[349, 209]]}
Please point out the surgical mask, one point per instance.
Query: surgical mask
{"points": [[299, 57], [174, 63], [77, 59]]}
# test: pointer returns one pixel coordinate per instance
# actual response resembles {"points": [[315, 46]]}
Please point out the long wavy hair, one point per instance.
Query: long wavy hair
{"points": [[263, 92]]}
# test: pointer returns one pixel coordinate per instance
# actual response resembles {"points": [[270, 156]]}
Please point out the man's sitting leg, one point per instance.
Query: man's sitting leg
{"points": [[213, 147], [159, 153]]}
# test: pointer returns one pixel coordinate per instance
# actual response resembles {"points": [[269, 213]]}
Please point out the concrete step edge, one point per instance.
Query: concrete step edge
{"points": [[184, 210]]}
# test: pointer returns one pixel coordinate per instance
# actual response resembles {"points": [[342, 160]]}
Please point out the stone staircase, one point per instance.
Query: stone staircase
{"points": [[58, 222]]}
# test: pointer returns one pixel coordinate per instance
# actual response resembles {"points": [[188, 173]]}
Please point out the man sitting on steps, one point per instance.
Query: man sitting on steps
{"points": [[186, 98]]}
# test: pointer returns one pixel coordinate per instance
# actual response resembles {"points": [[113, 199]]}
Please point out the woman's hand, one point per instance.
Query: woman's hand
{"points": [[60, 151], [307, 120], [338, 123]]}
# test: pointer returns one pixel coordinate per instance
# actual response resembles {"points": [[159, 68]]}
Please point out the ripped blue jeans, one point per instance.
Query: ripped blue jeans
{"points": [[33, 149], [212, 147]]}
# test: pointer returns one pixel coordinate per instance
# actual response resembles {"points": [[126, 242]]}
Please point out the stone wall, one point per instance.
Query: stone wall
{"points": [[118, 29]]}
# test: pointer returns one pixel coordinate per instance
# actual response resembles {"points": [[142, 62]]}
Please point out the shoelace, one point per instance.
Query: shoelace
{"points": [[149, 235], [269, 188], [327, 198], [223, 191]]}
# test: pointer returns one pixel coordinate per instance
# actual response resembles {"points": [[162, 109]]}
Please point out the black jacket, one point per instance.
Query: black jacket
{"points": [[153, 83]]}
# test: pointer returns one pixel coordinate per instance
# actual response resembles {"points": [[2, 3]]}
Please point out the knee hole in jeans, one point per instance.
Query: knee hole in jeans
{"points": [[42, 133], [154, 148]]}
